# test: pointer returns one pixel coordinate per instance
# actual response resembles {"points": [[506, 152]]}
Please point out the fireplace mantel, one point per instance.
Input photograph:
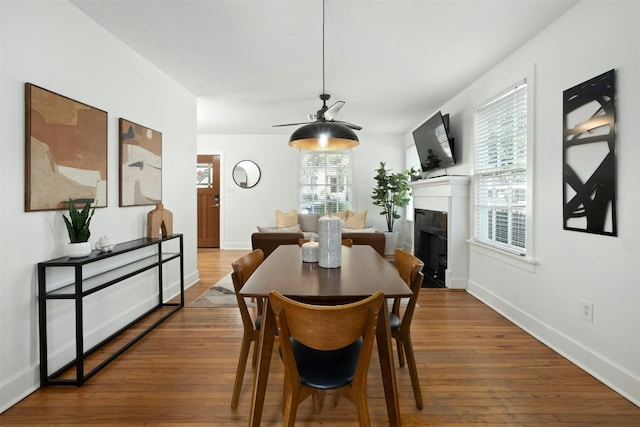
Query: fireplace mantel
{"points": [[449, 194]]}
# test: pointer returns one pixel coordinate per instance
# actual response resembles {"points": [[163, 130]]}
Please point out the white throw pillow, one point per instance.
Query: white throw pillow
{"points": [[358, 230], [294, 229]]}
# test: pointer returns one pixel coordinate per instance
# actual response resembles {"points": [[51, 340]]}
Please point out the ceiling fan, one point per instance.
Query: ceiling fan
{"points": [[325, 133], [325, 114]]}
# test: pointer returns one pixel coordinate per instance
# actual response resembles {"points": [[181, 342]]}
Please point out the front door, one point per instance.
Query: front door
{"points": [[208, 183]]}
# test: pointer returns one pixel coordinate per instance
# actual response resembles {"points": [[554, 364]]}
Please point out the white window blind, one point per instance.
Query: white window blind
{"points": [[501, 170], [325, 181]]}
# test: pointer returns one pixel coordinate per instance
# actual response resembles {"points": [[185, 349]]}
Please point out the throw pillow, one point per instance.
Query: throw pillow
{"points": [[294, 229], [358, 230], [284, 220], [356, 219], [309, 222], [343, 215]]}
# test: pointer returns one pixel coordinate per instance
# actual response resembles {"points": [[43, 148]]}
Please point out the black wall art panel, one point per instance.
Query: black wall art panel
{"points": [[588, 156]]}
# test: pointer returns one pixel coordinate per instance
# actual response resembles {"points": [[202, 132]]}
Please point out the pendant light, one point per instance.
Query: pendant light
{"points": [[325, 134]]}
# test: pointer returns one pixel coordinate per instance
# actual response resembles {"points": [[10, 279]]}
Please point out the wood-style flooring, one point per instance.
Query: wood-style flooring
{"points": [[476, 369]]}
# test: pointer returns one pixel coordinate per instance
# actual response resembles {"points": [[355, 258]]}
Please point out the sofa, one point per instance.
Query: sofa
{"points": [[306, 226]]}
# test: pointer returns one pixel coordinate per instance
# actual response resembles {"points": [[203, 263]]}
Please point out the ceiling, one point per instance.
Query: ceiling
{"points": [[256, 63]]}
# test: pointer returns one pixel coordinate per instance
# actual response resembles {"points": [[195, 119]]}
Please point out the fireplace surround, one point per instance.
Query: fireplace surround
{"points": [[441, 229]]}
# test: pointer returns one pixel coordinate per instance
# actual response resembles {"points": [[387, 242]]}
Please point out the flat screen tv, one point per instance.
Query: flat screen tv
{"points": [[435, 148]]}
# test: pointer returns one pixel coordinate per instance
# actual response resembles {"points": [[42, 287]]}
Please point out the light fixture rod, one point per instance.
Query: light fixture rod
{"points": [[324, 103]]}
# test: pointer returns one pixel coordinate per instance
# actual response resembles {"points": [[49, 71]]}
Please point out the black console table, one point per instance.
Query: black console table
{"points": [[83, 286]]}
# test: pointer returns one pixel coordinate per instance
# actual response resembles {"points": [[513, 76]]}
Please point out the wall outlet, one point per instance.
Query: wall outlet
{"points": [[586, 308]]}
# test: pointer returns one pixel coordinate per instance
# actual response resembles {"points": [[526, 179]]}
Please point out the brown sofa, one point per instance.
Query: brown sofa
{"points": [[268, 242]]}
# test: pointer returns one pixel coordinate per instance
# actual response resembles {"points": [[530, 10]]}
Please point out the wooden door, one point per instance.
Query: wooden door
{"points": [[208, 182]]}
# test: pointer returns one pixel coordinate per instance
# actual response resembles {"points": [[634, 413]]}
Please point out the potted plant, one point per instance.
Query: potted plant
{"points": [[78, 228], [391, 192]]}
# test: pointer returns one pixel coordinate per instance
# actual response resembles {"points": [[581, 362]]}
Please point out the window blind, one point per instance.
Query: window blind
{"points": [[325, 181], [501, 170]]}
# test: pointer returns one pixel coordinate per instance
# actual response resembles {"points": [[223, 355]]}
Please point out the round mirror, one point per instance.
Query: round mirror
{"points": [[246, 174]]}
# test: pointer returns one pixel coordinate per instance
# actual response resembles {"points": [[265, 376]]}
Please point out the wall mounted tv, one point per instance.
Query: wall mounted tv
{"points": [[435, 148]]}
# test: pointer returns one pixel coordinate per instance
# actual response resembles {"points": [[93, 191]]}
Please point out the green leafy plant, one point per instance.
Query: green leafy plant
{"points": [[391, 192], [78, 221]]}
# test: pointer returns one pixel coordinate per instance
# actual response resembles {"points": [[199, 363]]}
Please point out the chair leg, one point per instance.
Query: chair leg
{"points": [[413, 370], [289, 407], [400, 351], [318, 400], [360, 400], [336, 397], [242, 364]]}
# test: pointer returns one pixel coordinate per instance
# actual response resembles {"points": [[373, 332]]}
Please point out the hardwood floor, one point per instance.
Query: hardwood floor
{"points": [[476, 368]]}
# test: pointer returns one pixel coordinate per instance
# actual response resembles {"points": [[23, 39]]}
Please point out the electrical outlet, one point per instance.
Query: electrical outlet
{"points": [[587, 310]]}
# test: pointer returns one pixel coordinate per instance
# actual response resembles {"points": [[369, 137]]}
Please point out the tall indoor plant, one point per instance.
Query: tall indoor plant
{"points": [[391, 192], [78, 228]]}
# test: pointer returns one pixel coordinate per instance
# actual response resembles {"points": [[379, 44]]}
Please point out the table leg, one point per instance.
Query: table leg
{"points": [[385, 352], [267, 336]]}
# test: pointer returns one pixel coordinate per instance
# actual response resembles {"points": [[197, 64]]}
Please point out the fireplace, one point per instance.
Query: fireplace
{"points": [[441, 230], [430, 245]]}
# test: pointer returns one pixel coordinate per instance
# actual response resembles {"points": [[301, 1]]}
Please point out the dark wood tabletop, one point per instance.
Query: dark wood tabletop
{"points": [[362, 273]]}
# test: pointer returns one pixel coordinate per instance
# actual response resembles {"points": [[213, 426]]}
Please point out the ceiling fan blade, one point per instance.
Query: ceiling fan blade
{"points": [[349, 125], [333, 110], [292, 124]]}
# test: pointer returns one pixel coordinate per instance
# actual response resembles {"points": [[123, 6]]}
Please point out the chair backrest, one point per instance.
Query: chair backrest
{"points": [[243, 268], [410, 270], [327, 328]]}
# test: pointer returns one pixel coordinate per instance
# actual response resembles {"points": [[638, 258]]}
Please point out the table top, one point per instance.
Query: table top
{"points": [[362, 273]]}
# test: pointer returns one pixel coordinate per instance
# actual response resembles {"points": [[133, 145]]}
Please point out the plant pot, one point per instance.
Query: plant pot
{"points": [[390, 242], [78, 250]]}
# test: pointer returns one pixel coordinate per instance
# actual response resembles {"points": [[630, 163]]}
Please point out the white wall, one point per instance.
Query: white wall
{"points": [[245, 208], [54, 45], [590, 39]]}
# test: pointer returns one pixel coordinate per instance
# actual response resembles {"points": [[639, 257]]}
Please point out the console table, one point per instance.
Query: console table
{"points": [[82, 287]]}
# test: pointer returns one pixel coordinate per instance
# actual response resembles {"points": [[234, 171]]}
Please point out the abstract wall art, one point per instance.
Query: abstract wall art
{"points": [[65, 151], [140, 165], [589, 167]]}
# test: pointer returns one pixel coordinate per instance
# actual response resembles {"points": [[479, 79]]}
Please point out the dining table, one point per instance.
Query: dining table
{"points": [[362, 272]]}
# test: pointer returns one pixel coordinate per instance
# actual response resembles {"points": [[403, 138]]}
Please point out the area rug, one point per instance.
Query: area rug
{"points": [[221, 294]]}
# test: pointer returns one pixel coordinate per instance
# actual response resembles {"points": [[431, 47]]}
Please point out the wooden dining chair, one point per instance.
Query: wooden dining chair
{"points": [[243, 268], [325, 348], [410, 270]]}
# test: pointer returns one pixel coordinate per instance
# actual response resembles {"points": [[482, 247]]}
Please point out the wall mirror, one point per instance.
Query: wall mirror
{"points": [[246, 174]]}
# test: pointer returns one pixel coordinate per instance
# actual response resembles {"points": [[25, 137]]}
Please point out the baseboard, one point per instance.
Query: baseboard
{"points": [[615, 377], [24, 383]]}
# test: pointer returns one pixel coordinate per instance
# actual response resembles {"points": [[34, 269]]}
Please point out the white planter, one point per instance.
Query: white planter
{"points": [[390, 242], [78, 250]]}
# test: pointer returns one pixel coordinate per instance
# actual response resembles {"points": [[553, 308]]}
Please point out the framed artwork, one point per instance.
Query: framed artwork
{"points": [[65, 151], [140, 165], [588, 156]]}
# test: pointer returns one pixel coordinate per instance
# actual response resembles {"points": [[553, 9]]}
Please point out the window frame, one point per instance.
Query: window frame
{"points": [[334, 182], [520, 257]]}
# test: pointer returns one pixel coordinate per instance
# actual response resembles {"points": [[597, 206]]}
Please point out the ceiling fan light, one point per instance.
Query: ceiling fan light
{"points": [[323, 136]]}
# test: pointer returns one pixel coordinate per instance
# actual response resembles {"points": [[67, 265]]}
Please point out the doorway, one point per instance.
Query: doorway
{"points": [[208, 183]]}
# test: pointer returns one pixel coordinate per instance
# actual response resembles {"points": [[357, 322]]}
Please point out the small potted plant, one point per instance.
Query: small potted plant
{"points": [[78, 228], [391, 192]]}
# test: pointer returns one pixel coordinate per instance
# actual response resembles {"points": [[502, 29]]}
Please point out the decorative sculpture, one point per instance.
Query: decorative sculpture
{"points": [[330, 242], [159, 222]]}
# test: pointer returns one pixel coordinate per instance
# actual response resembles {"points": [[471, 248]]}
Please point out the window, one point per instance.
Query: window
{"points": [[500, 177], [325, 181]]}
